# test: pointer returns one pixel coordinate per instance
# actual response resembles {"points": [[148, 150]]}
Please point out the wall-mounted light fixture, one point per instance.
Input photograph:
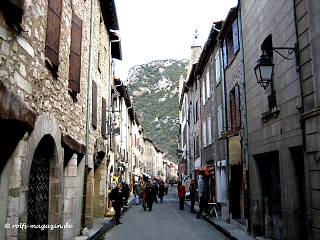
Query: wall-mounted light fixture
{"points": [[264, 68]]}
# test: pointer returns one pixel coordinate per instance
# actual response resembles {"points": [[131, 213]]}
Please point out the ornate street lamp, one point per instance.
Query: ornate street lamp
{"points": [[264, 68], [264, 71]]}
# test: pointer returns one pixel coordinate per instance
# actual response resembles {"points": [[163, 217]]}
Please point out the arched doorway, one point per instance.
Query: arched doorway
{"points": [[38, 189]]}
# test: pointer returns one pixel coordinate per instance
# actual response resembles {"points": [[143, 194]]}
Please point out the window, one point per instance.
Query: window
{"points": [[218, 67], [220, 126], [266, 47], [208, 87], [235, 35], [194, 149], [209, 130], [94, 105], [204, 133], [197, 147], [13, 10], [235, 111], [75, 54], [104, 119], [53, 35], [203, 92], [230, 44], [196, 112]]}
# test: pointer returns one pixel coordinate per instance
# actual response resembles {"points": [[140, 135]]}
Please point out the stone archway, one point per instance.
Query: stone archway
{"points": [[44, 146], [38, 194]]}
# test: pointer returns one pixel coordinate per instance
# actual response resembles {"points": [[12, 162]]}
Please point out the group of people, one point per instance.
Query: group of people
{"points": [[193, 195], [147, 193]]}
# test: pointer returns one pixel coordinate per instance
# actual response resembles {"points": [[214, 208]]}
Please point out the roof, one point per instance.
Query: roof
{"points": [[232, 15], [192, 74], [109, 13], [115, 42], [123, 91], [208, 47]]}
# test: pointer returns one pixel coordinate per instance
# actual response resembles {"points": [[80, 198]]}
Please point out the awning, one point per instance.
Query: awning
{"points": [[206, 169]]}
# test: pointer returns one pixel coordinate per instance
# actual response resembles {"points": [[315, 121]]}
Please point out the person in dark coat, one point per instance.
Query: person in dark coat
{"points": [[161, 191], [193, 194], [202, 195], [125, 193], [117, 201], [155, 190], [149, 195], [181, 195]]}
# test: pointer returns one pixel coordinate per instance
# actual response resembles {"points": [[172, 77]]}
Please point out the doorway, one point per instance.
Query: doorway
{"points": [[269, 174], [235, 191], [38, 188]]}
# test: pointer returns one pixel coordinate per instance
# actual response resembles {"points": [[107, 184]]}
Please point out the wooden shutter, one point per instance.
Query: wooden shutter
{"points": [[53, 32], [218, 68], [104, 119], [235, 36], [238, 109], [94, 105], [225, 53], [75, 54], [232, 109], [219, 120]]}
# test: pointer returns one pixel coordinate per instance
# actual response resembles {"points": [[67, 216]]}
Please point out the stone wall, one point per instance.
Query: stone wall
{"points": [[279, 132], [24, 72], [307, 16]]}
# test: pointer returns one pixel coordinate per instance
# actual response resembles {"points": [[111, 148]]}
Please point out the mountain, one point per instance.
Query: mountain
{"points": [[154, 90]]}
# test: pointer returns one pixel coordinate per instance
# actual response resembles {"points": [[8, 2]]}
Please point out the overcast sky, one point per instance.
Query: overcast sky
{"points": [[164, 29]]}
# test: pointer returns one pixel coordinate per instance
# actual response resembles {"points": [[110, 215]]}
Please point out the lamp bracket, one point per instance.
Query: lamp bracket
{"points": [[290, 50]]}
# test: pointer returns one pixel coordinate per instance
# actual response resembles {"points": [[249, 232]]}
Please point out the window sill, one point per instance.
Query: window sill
{"points": [[272, 113]]}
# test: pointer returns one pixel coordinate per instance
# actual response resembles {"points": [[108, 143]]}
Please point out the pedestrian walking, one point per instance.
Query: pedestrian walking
{"points": [[149, 195], [125, 193], [137, 193], [117, 202], [161, 191], [193, 194], [155, 189], [166, 187], [143, 196], [202, 195], [181, 195]]}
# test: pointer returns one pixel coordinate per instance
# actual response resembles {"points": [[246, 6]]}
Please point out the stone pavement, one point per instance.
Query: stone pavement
{"points": [[165, 221], [102, 225], [229, 230]]}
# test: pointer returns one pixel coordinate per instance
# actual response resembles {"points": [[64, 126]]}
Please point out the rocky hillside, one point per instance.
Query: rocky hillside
{"points": [[154, 91]]}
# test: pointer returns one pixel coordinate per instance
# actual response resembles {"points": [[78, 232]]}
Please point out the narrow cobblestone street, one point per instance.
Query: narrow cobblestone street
{"points": [[165, 221]]}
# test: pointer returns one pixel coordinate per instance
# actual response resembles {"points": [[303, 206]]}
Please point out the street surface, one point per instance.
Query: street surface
{"points": [[165, 221]]}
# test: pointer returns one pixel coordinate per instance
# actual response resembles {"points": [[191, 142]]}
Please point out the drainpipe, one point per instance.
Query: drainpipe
{"points": [[88, 118], [307, 215], [301, 109], [245, 112], [225, 125]]}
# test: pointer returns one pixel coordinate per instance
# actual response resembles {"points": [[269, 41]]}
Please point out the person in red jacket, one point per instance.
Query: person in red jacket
{"points": [[181, 195]]}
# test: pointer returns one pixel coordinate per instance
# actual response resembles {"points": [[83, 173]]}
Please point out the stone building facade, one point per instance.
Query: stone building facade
{"points": [[234, 130], [308, 35], [44, 73], [275, 133]]}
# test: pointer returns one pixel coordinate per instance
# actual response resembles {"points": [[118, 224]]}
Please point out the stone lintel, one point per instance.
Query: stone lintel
{"points": [[12, 108], [73, 144]]}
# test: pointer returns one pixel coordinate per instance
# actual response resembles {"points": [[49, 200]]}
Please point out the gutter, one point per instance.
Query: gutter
{"points": [[245, 112], [89, 87]]}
